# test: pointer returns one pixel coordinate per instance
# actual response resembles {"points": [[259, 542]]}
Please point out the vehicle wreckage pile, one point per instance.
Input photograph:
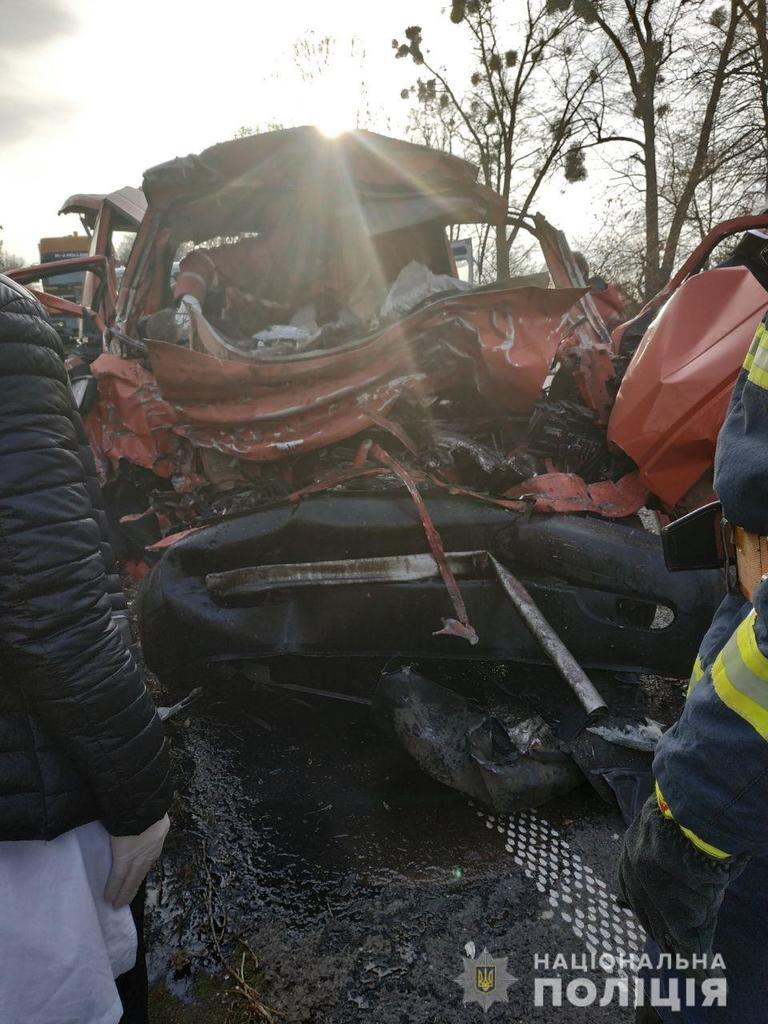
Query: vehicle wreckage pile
{"points": [[323, 439], [382, 366], [314, 383], [450, 391]]}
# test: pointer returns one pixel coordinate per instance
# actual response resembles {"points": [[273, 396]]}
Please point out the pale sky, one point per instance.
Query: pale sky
{"points": [[92, 92]]}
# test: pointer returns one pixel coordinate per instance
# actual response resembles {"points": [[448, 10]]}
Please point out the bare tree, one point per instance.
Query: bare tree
{"points": [[667, 68], [757, 16], [616, 251], [750, 74], [517, 114], [246, 130], [319, 58]]}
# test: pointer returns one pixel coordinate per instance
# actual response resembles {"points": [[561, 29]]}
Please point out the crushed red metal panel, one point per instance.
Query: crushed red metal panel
{"points": [[588, 342], [566, 492], [133, 421], [460, 626], [128, 203], [142, 410], [266, 408], [674, 396]]}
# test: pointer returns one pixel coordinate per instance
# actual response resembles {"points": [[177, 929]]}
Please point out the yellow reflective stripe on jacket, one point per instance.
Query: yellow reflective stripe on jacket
{"points": [[697, 674], [756, 362], [740, 677], [747, 364], [708, 848]]}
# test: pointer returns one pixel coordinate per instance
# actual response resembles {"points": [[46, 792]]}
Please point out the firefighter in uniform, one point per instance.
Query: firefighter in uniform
{"points": [[694, 865]]}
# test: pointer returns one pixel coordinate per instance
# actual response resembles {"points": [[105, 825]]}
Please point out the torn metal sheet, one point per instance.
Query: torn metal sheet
{"points": [[460, 626], [588, 344], [507, 339], [566, 492], [590, 328], [132, 420], [336, 394], [128, 205], [241, 586]]}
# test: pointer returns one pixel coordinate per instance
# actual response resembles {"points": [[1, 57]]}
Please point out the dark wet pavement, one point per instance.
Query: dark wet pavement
{"points": [[356, 879]]}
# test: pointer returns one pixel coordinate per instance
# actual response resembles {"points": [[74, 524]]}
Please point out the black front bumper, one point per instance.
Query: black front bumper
{"points": [[602, 585]]}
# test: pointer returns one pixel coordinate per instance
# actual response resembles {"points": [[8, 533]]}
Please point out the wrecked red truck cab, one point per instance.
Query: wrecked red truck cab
{"points": [[315, 440], [329, 395], [335, 396]]}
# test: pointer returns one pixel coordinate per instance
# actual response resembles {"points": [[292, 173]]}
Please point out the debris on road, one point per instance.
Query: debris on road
{"points": [[506, 760], [164, 713]]}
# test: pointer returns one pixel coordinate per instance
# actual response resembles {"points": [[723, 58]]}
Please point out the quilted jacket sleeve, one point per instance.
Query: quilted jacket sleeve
{"points": [[59, 643]]}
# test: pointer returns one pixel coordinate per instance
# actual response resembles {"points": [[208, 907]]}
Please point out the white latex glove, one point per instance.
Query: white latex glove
{"points": [[132, 858], [183, 315]]}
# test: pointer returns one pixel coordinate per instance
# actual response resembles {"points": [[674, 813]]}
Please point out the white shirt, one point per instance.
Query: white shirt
{"points": [[61, 944]]}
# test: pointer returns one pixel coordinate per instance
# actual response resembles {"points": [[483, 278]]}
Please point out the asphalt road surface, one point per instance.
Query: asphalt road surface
{"points": [[359, 883]]}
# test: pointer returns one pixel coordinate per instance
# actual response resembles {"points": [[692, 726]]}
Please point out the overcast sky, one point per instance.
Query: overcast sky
{"points": [[92, 92]]}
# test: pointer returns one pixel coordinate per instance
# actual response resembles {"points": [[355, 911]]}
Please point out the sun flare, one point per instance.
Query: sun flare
{"points": [[334, 101]]}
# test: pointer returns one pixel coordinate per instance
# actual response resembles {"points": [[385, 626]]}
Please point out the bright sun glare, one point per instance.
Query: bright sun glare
{"points": [[334, 100], [331, 127]]}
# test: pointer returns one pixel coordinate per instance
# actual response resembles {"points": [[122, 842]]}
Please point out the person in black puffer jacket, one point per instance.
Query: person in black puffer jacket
{"points": [[84, 763]]}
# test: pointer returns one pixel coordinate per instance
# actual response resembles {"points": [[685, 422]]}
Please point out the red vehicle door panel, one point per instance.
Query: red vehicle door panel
{"points": [[674, 396]]}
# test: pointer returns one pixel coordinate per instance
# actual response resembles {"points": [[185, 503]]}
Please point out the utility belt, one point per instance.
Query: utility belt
{"points": [[704, 539], [751, 559]]}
